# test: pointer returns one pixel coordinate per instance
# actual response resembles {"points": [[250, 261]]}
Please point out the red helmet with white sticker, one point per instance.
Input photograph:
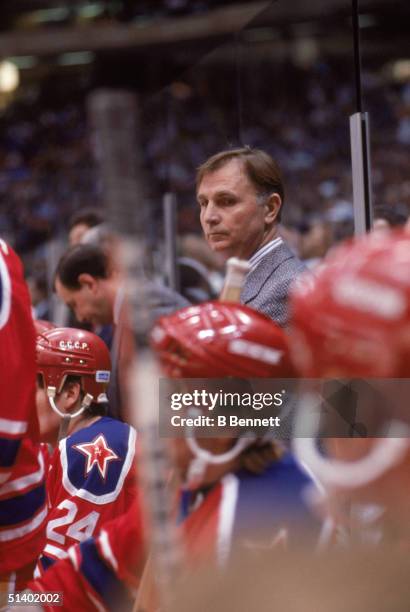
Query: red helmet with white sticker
{"points": [[353, 318], [352, 321], [64, 351], [217, 339]]}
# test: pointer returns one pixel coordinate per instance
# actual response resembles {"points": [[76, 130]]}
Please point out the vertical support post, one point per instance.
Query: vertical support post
{"points": [[361, 172], [169, 208], [360, 142]]}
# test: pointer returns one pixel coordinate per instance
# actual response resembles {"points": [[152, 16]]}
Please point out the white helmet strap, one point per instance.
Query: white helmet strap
{"points": [[86, 402], [202, 457], [386, 452]]}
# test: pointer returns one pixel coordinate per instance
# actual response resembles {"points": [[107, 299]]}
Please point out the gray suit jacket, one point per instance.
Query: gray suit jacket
{"points": [[160, 301], [267, 287]]}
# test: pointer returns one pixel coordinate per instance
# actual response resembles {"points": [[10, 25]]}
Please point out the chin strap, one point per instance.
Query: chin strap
{"points": [[203, 457], [86, 403], [384, 455]]}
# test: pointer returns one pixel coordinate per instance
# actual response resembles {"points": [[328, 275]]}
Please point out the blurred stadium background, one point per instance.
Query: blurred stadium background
{"points": [[208, 74]]}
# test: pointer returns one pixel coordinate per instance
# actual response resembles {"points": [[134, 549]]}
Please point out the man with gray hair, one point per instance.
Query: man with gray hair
{"points": [[240, 194]]}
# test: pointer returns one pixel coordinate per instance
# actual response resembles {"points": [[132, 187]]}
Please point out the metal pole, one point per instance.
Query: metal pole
{"points": [[169, 207], [357, 57], [361, 172], [360, 143]]}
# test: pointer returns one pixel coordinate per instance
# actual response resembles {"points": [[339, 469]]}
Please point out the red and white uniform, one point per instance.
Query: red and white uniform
{"points": [[242, 510], [23, 461], [91, 481], [99, 567]]}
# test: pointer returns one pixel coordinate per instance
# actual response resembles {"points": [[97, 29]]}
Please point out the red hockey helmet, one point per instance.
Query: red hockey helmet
{"points": [[64, 351], [353, 321], [42, 326], [217, 339], [353, 318]]}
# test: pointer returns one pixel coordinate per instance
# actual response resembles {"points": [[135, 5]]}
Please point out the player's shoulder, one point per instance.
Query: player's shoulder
{"points": [[280, 495], [105, 433], [285, 481], [11, 281], [289, 470], [10, 263], [112, 429], [96, 460], [285, 467]]}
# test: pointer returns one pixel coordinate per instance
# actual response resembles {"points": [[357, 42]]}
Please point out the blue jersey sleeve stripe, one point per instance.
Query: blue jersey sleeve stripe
{"points": [[8, 451], [46, 562], [100, 576], [22, 507]]}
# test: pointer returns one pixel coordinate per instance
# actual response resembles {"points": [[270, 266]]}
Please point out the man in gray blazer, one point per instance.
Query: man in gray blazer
{"points": [[240, 194]]}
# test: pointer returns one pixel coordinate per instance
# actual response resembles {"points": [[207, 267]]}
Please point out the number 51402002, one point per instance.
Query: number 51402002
{"points": [[32, 598]]}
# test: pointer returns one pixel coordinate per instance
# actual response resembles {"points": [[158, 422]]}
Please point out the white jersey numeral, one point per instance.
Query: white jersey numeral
{"points": [[83, 528], [80, 530]]}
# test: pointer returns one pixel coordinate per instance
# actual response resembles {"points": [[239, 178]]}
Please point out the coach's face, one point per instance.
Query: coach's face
{"points": [[89, 303], [234, 220]]}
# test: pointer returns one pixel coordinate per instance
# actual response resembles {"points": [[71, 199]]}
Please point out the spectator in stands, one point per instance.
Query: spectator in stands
{"points": [[316, 242], [81, 222], [39, 297], [240, 195], [201, 271], [386, 217]]}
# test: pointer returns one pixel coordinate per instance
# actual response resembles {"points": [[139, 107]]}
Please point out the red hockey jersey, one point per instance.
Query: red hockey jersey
{"points": [[100, 572], [91, 480], [242, 510], [22, 459]]}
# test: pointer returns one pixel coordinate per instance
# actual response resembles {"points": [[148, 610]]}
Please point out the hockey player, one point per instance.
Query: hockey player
{"points": [[91, 478], [253, 488], [354, 322], [242, 493], [22, 460], [48, 420]]}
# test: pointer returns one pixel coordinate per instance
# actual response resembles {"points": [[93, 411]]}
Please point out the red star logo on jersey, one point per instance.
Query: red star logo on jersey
{"points": [[98, 453]]}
